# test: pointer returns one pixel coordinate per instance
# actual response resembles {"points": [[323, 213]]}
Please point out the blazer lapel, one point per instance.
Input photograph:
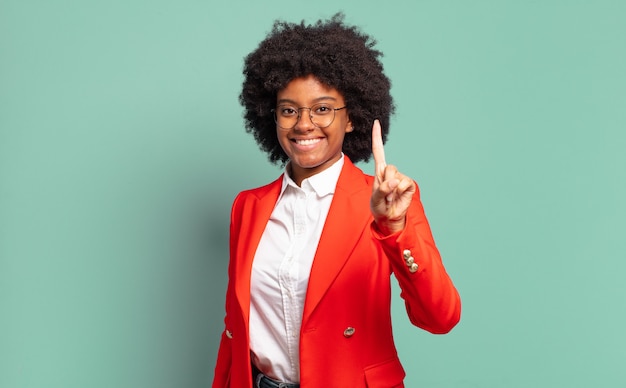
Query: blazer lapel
{"points": [[254, 218], [348, 215]]}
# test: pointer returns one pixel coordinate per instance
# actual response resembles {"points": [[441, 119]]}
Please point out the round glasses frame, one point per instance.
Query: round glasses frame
{"points": [[315, 118]]}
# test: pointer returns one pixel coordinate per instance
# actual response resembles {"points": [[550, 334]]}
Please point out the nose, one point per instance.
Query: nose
{"points": [[304, 122]]}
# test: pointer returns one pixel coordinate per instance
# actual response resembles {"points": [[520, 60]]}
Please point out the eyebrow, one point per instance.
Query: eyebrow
{"points": [[316, 100]]}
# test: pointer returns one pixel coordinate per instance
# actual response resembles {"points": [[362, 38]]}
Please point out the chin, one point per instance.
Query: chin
{"points": [[308, 165]]}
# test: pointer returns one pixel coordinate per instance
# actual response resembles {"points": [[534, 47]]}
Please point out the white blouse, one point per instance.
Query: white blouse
{"points": [[280, 272]]}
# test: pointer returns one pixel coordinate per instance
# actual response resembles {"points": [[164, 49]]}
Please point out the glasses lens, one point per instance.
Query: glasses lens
{"points": [[322, 115], [286, 116]]}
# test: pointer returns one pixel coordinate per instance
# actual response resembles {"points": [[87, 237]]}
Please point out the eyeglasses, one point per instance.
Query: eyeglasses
{"points": [[287, 116]]}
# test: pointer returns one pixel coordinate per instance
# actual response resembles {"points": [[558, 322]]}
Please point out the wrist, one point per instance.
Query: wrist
{"points": [[387, 226]]}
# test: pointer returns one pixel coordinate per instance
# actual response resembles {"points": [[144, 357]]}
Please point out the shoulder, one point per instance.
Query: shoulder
{"points": [[272, 188], [353, 176]]}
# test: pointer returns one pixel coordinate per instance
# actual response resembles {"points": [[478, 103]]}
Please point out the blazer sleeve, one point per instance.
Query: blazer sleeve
{"points": [[431, 299], [223, 366], [221, 376]]}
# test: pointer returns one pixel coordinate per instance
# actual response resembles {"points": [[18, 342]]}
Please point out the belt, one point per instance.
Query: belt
{"points": [[262, 381]]}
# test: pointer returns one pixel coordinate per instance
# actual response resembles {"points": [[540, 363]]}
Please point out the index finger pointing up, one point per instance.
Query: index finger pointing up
{"points": [[377, 149]]}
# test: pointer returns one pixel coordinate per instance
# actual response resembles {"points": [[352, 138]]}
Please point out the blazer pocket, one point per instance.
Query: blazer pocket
{"points": [[387, 374]]}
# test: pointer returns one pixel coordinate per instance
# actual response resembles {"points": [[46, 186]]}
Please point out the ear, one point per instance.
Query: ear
{"points": [[349, 128]]}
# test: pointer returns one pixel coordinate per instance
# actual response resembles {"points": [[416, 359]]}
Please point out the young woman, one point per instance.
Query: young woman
{"points": [[312, 253]]}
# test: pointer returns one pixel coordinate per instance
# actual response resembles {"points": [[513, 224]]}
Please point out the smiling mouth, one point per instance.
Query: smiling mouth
{"points": [[306, 142]]}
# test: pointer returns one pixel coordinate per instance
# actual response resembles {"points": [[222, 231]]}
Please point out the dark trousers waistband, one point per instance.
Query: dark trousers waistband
{"points": [[259, 380]]}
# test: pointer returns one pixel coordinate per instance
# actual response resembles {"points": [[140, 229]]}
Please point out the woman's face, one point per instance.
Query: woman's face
{"points": [[312, 149]]}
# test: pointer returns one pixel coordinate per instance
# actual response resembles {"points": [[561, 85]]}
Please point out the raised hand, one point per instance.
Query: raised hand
{"points": [[392, 191]]}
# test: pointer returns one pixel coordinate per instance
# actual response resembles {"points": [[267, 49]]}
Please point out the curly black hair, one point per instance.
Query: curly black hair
{"points": [[339, 56]]}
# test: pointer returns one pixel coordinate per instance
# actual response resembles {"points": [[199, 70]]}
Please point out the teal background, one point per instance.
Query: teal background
{"points": [[122, 147]]}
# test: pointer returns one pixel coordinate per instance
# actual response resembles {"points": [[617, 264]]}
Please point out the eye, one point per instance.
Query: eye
{"points": [[287, 111], [321, 110]]}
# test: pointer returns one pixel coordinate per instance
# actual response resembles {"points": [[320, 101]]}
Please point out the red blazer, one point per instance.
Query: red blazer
{"points": [[346, 336]]}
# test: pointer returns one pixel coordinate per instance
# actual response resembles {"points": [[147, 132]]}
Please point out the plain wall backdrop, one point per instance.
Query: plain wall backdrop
{"points": [[122, 147]]}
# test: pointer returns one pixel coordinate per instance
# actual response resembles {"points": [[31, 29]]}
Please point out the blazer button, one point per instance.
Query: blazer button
{"points": [[349, 332], [413, 268], [406, 253], [229, 334]]}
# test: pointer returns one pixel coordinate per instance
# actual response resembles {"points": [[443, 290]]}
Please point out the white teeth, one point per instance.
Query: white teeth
{"points": [[307, 141]]}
